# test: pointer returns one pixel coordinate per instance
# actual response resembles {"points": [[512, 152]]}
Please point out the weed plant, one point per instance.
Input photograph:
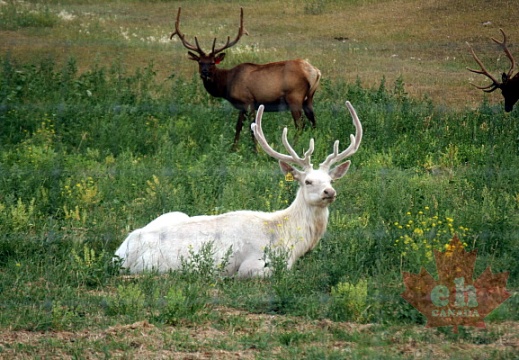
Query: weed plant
{"points": [[85, 158]]}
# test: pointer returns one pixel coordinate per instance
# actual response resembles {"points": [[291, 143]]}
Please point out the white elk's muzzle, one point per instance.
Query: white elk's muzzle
{"points": [[329, 195]]}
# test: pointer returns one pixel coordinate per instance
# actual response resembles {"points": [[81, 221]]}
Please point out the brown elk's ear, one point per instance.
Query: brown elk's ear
{"points": [[505, 77], [193, 56], [340, 170], [219, 58]]}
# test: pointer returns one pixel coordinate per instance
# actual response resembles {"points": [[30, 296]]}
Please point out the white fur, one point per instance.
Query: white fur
{"points": [[245, 235]]}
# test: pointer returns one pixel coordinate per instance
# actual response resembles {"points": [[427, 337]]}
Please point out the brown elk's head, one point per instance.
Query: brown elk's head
{"points": [[207, 62], [509, 84]]}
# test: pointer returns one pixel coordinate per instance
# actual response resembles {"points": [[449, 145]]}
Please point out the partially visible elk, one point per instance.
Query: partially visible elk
{"points": [[243, 239], [279, 86], [509, 84]]}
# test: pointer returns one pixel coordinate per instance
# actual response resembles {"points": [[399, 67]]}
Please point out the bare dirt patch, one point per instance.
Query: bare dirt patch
{"points": [[259, 335]]}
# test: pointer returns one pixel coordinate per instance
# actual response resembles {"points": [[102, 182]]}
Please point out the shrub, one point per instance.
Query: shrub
{"points": [[91, 268], [129, 300], [349, 301], [423, 231]]}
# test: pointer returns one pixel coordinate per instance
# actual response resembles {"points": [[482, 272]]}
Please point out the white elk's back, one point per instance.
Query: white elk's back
{"points": [[162, 244]]}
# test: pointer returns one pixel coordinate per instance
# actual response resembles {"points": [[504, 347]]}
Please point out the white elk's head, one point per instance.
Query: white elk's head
{"points": [[315, 184]]}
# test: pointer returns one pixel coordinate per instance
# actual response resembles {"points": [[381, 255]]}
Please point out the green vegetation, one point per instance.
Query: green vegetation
{"points": [[15, 15], [88, 155]]}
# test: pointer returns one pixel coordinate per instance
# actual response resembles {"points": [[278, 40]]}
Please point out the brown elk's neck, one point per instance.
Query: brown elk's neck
{"points": [[216, 86]]}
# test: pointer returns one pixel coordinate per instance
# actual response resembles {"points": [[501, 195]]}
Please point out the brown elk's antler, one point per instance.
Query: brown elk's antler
{"points": [[182, 37], [241, 31], [504, 46], [495, 83], [197, 48]]}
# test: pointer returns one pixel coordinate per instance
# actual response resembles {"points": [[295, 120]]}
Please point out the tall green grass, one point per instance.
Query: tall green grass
{"points": [[86, 158]]}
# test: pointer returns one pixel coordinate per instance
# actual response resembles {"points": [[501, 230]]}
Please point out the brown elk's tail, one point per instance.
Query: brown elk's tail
{"points": [[315, 75], [313, 87]]}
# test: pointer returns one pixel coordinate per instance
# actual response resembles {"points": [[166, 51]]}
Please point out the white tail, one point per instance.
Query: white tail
{"points": [[246, 235]]}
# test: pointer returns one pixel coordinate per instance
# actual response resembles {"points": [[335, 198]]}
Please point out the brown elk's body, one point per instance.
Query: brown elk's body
{"points": [[509, 84], [279, 86]]}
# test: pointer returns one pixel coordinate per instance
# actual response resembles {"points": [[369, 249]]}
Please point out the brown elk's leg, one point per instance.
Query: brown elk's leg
{"points": [[295, 106], [252, 116], [308, 108], [239, 126]]}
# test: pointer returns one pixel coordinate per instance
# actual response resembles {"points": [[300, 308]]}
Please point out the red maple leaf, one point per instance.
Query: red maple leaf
{"points": [[455, 299]]}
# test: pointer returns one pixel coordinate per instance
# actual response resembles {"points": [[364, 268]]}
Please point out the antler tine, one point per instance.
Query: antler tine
{"points": [[182, 37], [350, 150], [495, 84], [228, 44], [488, 88], [507, 52], [305, 161], [293, 158]]}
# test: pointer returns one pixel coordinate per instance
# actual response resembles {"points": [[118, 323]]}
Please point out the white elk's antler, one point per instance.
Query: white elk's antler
{"points": [[293, 157], [350, 150]]}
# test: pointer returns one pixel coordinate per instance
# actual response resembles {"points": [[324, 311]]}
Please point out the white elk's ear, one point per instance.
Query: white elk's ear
{"points": [[289, 169], [340, 170]]}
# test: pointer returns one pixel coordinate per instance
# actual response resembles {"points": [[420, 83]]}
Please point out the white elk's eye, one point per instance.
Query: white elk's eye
{"points": [[308, 182]]}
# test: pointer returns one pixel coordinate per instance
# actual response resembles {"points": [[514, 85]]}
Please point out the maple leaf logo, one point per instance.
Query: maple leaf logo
{"points": [[455, 299]]}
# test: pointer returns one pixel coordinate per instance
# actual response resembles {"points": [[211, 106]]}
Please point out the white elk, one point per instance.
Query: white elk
{"points": [[242, 239]]}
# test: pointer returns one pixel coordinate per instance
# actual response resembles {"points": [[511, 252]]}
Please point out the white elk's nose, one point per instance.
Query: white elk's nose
{"points": [[329, 193]]}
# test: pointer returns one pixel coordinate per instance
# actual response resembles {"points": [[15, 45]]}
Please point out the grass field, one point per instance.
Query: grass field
{"points": [[366, 39], [100, 118]]}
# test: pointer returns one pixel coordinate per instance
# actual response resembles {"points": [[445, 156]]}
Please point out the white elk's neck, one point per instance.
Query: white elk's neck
{"points": [[300, 226]]}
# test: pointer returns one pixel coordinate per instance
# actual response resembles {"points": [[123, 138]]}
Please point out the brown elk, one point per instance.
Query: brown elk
{"points": [[279, 86], [509, 84]]}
